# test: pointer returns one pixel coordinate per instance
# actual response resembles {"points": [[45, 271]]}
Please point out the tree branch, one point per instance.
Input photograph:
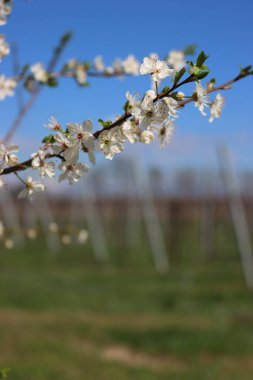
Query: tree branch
{"points": [[27, 164]]}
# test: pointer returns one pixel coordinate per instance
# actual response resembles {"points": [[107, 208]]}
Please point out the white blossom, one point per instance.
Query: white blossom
{"points": [[165, 133], [81, 134], [72, 171], [39, 72], [81, 74], [99, 63], [130, 131], [146, 137], [72, 63], [133, 100], [63, 146], [81, 137], [172, 106], [53, 124], [7, 156], [110, 143], [176, 59], [31, 188], [4, 47], [202, 100], [44, 167], [131, 65], [216, 107], [158, 69], [7, 86], [149, 113]]}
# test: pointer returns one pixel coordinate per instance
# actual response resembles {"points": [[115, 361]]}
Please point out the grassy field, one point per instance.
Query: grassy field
{"points": [[64, 317]]}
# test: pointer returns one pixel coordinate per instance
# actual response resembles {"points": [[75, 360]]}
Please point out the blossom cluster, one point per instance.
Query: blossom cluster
{"points": [[145, 119]]}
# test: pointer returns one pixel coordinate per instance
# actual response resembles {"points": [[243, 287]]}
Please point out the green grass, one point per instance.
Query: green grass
{"points": [[63, 316]]}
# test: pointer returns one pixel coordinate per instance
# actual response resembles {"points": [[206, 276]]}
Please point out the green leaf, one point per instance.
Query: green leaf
{"points": [[165, 89], [179, 75], [190, 63], [52, 82], [201, 58], [24, 70], [202, 74], [49, 139], [126, 106], [213, 81], [105, 124]]}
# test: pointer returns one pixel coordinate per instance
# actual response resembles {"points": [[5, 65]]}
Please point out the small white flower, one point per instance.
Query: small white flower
{"points": [[7, 156], [39, 72], [45, 168], [131, 65], [146, 137], [31, 188], [133, 100], [216, 107], [172, 106], [81, 137], [72, 171], [165, 133], [202, 100], [4, 47], [130, 131], [176, 59], [81, 134], [81, 74], [149, 113], [63, 146], [53, 124], [7, 86], [72, 63], [110, 143], [99, 63], [158, 69]]}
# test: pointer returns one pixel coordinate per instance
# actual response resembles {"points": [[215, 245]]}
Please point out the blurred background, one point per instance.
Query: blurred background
{"points": [[144, 270]]}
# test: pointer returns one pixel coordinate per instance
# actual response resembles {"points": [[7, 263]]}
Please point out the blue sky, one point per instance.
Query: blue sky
{"points": [[115, 29]]}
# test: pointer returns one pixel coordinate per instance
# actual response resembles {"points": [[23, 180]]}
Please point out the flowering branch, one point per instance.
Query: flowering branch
{"points": [[123, 118]]}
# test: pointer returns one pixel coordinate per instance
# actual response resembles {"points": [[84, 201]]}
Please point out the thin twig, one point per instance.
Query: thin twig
{"points": [[28, 105]]}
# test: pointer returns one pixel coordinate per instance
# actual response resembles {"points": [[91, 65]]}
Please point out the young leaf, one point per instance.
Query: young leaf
{"points": [[179, 75], [105, 124], [201, 58]]}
